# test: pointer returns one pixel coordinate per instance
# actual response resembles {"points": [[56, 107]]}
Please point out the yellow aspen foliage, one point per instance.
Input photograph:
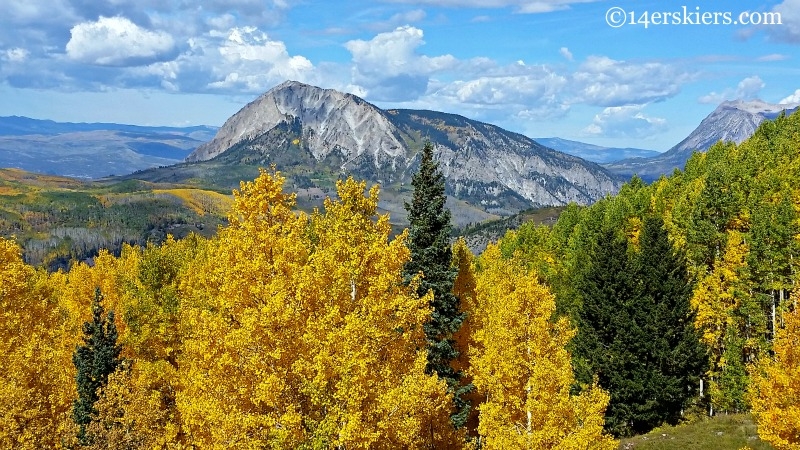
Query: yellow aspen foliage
{"points": [[242, 327], [522, 370], [134, 410], [715, 297], [299, 332], [76, 289], [464, 288], [150, 299], [36, 371], [775, 388], [729, 324], [137, 408]]}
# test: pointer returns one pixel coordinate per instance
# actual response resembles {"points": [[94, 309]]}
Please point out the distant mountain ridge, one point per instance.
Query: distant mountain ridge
{"points": [[595, 153], [93, 150], [494, 169], [731, 121], [20, 126]]}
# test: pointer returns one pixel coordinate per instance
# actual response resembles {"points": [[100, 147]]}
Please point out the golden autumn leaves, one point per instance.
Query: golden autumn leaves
{"points": [[289, 330]]}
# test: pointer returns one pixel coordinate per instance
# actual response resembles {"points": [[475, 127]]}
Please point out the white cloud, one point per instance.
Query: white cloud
{"points": [[624, 122], [253, 62], [36, 11], [520, 6], [773, 57], [789, 30], [239, 60], [541, 85], [750, 87], [394, 53], [564, 51], [747, 89], [15, 55], [388, 66], [223, 22], [603, 81], [402, 18], [116, 41], [793, 99]]}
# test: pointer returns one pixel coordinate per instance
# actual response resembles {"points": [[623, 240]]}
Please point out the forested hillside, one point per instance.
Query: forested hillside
{"points": [[289, 329], [732, 215], [286, 330], [57, 220]]}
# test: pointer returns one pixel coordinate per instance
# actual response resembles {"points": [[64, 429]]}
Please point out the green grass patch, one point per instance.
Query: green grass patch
{"points": [[718, 433]]}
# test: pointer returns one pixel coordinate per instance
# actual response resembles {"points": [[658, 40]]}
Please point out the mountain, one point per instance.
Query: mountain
{"points": [[93, 150], [20, 126], [595, 153], [309, 132], [731, 121]]}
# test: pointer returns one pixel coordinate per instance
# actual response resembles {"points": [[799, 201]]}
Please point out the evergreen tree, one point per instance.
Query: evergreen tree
{"points": [[636, 330], [673, 355], [429, 243], [94, 361], [607, 335]]}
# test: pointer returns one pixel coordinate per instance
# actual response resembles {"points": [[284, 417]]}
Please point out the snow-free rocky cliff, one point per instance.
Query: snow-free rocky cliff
{"points": [[489, 167]]}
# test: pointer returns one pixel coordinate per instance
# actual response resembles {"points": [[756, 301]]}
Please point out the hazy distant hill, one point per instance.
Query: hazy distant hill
{"points": [[93, 150], [595, 153]]}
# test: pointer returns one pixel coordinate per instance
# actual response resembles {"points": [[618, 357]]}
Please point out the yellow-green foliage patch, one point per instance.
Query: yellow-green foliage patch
{"points": [[201, 201]]}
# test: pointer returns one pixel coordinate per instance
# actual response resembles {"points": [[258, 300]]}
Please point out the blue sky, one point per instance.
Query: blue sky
{"points": [[539, 67]]}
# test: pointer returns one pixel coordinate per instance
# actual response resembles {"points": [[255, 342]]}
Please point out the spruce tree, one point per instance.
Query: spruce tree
{"points": [[607, 335], [636, 330], [431, 254], [673, 353], [97, 358]]}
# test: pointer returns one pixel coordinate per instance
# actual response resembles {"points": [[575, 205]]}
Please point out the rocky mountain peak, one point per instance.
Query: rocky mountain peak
{"points": [[331, 120], [305, 129], [732, 121]]}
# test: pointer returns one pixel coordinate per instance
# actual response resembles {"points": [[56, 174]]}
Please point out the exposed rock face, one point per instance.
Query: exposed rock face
{"points": [[501, 168], [732, 121], [491, 168], [332, 122]]}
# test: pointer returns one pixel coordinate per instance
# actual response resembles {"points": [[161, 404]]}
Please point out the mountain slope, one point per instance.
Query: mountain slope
{"points": [[595, 153], [731, 121], [312, 131]]}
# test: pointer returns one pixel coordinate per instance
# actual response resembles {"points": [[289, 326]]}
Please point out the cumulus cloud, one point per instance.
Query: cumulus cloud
{"points": [[116, 41], [564, 51], [603, 81], [388, 66], [624, 122], [747, 89], [253, 62], [540, 86], [235, 61], [520, 6], [793, 99]]}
